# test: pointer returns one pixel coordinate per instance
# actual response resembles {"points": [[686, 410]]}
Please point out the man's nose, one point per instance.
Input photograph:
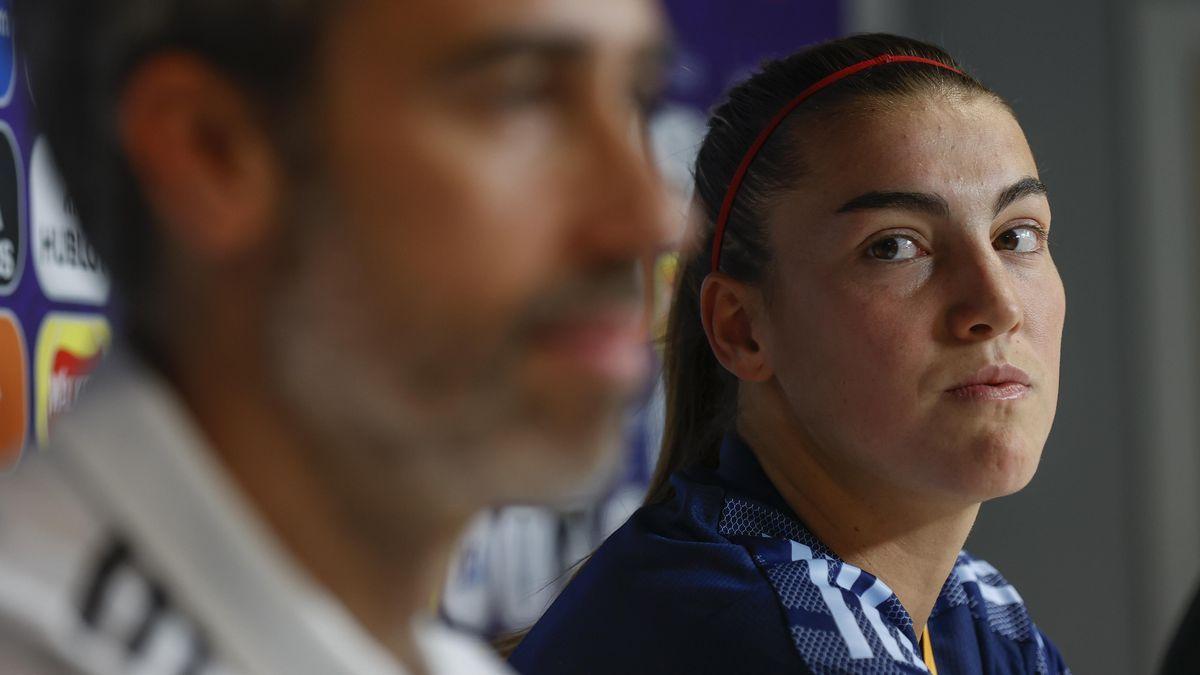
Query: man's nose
{"points": [[623, 206]]}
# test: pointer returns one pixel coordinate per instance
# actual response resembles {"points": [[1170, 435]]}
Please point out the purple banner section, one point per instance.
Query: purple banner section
{"points": [[721, 41], [53, 291]]}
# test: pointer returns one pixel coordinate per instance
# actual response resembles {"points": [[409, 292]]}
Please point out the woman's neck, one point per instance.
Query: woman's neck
{"points": [[905, 539]]}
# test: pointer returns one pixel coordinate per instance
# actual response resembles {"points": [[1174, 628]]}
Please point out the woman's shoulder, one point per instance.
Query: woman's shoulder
{"points": [[663, 553], [977, 599], [666, 591], [976, 584]]}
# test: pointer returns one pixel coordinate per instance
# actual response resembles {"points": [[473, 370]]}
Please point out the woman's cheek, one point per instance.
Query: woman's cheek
{"points": [[888, 330], [1045, 313]]}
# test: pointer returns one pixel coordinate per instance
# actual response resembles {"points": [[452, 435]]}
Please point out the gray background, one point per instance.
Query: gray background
{"points": [[1104, 543]]}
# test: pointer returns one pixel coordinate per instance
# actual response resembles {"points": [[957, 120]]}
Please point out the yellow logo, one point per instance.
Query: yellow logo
{"points": [[69, 347]]}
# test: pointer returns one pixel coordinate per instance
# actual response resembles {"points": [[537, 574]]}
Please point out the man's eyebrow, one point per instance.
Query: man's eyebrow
{"points": [[501, 47], [921, 202], [1023, 188], [654, 55]]}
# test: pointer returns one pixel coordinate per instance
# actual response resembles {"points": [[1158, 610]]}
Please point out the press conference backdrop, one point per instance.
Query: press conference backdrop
{"points": [[53, 290], [1105, 544], [56, 313], [55, 309]]}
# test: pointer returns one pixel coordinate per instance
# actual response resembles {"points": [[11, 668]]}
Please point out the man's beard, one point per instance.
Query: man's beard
{"points": [[392, 424]]}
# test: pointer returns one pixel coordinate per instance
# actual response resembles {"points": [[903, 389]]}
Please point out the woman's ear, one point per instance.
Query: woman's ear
{"points": [[729, 310]]}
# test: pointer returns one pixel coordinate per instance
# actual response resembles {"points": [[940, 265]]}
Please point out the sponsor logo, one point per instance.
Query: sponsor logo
{"points": [[68, 268], [69, 347], [8, 55], [14, 391], [12, 254]]}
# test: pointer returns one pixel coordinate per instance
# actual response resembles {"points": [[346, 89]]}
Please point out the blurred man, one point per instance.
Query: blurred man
{"points": [[378, 261]]}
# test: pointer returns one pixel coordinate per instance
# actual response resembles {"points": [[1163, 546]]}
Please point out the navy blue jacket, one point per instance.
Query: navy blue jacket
{"points": [[723, 578]]}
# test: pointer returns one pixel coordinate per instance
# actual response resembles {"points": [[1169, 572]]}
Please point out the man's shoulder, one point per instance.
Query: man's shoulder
{"points": [[49, 537], [74, 597], [49, 533], [450, 652]]}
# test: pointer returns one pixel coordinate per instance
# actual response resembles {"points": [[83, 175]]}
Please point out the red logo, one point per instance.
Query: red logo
{"points": [[69, 348]]}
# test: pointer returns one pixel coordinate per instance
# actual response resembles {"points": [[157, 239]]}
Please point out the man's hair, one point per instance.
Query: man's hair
{"points": [[79, 54]]}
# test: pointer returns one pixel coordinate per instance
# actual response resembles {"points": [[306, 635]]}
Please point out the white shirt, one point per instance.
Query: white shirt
{"points": [[124, 548]]}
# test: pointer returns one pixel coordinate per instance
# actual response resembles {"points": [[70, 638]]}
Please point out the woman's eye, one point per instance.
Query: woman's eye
{"points": [[1020, 240], [894, 248]]}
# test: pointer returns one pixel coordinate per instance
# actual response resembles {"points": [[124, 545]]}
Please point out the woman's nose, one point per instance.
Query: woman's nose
{"points": [[985, 303]]}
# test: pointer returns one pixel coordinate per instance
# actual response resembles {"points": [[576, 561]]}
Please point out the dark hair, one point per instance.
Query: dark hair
{"points": [[701, 394], [79, 54]]}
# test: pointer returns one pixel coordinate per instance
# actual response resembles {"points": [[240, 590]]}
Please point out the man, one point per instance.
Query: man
{"points": [[378, 261]]}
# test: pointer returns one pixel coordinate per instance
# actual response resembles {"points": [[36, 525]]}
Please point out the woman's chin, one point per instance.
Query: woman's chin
{"points": [[996, 466]]}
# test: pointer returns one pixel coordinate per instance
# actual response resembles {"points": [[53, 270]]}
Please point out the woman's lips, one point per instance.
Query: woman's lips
{"points": [[990, 392], [993, 382]]}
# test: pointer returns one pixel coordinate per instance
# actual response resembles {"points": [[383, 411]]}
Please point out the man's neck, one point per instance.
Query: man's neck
{"points": [[386, 579], [908, 542]]}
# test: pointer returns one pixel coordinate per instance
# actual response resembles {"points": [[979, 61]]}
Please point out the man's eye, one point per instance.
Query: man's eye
{"points": [[1024, 239], [516, 84], [522, 94], [895, 248]]}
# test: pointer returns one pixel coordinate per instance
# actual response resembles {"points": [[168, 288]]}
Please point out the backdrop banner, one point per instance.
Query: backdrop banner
{"points": [[54, 293]]}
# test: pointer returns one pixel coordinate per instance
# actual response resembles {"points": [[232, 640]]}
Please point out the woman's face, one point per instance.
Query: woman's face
{"points": [[914, 314]]}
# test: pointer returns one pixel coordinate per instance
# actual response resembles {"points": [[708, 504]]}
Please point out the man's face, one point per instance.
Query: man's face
{"points": [[465, 301]]}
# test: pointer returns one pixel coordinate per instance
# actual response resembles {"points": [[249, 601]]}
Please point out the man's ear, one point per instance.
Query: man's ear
{"points": [[730, 310], [208, 172]]}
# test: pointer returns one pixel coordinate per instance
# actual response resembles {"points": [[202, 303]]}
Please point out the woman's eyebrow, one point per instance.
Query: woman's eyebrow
{"points": [[1023, 188], [921, 202], [934, 204]]}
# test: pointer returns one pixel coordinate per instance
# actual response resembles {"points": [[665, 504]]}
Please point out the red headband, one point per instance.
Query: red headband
{"points": [[740, 175]]}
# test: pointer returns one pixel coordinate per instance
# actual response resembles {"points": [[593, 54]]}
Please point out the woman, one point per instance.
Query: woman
{"points": [[864, 347]]}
